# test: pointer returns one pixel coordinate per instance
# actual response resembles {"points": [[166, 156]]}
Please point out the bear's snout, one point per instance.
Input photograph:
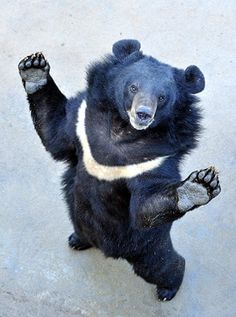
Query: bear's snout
{"points": [[144, 113]]}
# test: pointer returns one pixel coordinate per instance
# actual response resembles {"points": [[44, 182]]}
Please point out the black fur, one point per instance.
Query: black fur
{"points": [[127, 218]]}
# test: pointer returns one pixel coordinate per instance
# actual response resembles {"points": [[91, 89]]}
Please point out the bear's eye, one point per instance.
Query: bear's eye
{"points": [[162, 98], [133, 89]]}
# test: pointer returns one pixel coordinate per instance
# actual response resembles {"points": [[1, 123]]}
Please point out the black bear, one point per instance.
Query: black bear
{"points": [[123, 140]]}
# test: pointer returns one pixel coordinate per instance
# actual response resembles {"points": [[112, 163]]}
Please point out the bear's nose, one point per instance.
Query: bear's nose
{"points": [[144, 113]]}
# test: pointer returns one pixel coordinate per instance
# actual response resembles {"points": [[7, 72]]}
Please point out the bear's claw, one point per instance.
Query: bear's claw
{"points": [[208, 178]]}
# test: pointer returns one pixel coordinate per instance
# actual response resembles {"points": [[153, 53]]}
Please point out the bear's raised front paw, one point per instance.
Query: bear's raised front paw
{"points": [[34, 71], [198, 189]]}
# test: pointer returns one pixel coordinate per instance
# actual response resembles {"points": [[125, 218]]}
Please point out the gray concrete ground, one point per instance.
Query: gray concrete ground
{"points": [[39, 275]]}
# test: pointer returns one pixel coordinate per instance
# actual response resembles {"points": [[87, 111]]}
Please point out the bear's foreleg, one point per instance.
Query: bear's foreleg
{"points": [[172, 202], [48, 107]]}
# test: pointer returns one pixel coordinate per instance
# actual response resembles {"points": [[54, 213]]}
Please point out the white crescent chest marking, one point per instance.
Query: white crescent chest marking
{"points": [[104, 172]]}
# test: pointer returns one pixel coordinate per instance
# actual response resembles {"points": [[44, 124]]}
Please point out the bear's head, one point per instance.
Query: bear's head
{"points": [[146, 90]]}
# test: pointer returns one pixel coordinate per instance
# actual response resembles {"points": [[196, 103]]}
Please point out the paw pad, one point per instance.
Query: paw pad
{"points": [[34, 72], [198, 189]]}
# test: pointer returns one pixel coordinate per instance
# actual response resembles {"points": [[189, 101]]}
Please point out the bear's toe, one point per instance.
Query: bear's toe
{"points": [[36, 60]]}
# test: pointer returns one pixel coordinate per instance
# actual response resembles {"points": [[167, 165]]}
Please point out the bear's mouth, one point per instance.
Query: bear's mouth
{"points": [[139, 124]]}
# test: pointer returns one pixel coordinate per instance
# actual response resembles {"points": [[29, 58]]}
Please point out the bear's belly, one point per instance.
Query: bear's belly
{"points": [[102, 211]]}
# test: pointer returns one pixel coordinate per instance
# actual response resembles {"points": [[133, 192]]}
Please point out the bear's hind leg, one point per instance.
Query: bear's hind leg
{"points": [[78, 242], [171, 278], [163, 267]]}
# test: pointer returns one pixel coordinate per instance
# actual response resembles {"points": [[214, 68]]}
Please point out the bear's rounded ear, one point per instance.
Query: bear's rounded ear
{"points": [[194, 79], [124, 48]]}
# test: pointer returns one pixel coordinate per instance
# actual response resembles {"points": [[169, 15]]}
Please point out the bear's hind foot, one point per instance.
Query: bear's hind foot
{"points": [[165, 294], [76, 243]]}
